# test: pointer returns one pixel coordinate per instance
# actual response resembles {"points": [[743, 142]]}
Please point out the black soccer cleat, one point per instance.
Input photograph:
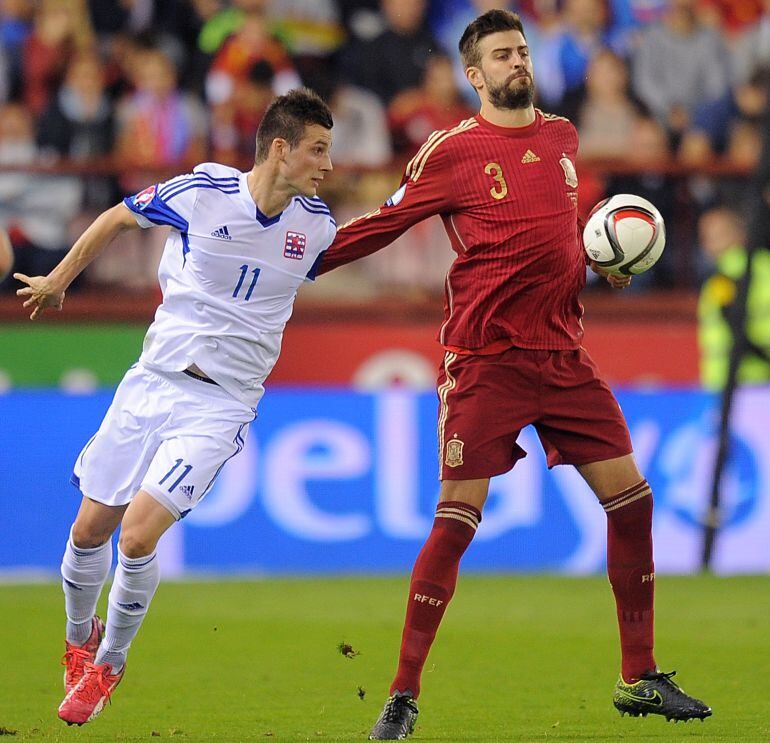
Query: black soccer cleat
{"points": [[656, 694], [396, 721]]}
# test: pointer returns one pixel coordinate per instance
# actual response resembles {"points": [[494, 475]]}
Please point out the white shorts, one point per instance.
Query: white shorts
{"points": [[166, 433]]}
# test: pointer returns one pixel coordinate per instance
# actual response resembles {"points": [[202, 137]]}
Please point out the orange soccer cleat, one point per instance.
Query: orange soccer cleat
{"points": [[86, 700], [76, 656]]}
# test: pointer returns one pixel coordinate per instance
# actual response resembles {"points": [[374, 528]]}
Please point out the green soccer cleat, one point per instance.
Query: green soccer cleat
{"points": [[396, 721], [656, 694]]}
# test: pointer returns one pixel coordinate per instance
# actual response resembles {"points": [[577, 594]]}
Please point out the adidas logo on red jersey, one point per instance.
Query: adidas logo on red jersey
{"points": [[529, 157]]}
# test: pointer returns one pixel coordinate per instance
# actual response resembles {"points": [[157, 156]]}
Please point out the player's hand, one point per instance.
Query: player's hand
{"points": [[41, 294], [615, 281]]}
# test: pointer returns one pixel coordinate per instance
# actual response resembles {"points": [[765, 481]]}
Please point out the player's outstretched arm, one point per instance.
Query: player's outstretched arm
{"points": [[426, 189], [47, 292]]}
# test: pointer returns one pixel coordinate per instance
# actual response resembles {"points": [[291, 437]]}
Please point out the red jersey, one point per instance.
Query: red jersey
{"points": [[508, 200]]}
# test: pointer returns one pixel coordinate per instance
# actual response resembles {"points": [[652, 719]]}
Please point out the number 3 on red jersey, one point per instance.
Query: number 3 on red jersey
{"points": [[500, 188]]}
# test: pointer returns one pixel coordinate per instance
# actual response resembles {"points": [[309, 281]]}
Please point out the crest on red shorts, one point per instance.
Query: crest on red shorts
{"points": [[454, 453]]}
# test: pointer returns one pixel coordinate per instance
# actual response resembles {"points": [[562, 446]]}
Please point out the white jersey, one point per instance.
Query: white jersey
{"points": [[229, 275]]}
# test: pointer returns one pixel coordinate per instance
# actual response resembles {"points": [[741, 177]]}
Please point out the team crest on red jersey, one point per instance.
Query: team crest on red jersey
{"points": [[294, 247], [144, 197]]}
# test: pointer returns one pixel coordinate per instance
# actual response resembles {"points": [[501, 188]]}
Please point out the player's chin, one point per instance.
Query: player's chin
{"points": [[310, 189]]}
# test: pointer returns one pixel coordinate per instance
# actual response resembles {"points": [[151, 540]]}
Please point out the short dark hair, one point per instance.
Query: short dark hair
{"points": [[489, 23], [287, 116]]}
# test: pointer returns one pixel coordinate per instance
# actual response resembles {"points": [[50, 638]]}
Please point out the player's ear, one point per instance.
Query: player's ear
{"points": [[475, 77], [279, 148]]}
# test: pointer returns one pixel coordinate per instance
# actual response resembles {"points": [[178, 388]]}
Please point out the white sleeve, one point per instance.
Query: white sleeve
{"points": [[173, 202]]}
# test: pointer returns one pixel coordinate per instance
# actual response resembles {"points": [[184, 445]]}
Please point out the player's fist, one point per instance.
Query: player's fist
{"points": [[615, 281], [40, 293], [6, 254]]}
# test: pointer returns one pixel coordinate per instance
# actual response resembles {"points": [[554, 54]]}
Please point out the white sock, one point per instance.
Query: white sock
{"points": [[132, 590], [83, 573]]}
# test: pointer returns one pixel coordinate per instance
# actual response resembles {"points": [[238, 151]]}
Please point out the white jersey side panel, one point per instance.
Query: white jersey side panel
{"points": [[229, 275]]}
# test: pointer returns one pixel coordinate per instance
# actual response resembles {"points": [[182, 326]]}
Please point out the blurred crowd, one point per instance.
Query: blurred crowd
{"points": [[117, 93]]}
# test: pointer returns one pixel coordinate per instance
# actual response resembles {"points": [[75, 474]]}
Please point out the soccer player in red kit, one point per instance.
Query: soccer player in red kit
{"points": [[505, 185]]}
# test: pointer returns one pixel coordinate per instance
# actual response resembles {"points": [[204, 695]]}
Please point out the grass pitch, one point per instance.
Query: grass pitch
{"points": [[518, 659]]}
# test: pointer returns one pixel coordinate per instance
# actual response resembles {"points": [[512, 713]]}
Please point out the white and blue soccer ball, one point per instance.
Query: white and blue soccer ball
{"points": [[624, 235]]}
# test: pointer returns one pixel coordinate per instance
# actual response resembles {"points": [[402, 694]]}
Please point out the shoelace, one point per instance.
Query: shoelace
{"points": [[74, 655], [393, 706], [94, 684], [660, 676], [666, 678]]}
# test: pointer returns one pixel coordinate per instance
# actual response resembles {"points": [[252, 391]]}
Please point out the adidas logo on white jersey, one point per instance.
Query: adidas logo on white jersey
{"points": [[222, 233]]}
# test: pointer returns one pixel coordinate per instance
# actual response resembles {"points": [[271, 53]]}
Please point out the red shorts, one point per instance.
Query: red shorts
{"points": [[485, 401]]}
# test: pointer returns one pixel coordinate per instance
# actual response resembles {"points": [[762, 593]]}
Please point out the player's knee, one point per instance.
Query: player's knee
{"points": [[135, 542], [472, 492], [87, 534]]}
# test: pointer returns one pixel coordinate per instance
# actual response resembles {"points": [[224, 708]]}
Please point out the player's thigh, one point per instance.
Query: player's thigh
{"points": [[484, 402], [472, 492], [95, 523], [110, 467], [185, 467], [581, 421], [611, 476], [205, 429]]}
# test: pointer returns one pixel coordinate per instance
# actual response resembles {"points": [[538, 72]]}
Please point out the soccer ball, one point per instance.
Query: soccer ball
{"points": [[624, 234]]}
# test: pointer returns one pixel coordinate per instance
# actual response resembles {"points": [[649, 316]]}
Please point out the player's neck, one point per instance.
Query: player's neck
{"points": [[265, 188], [517, 117]]}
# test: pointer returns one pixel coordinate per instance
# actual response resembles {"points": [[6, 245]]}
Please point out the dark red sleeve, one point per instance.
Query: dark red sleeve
{"points": [[425, 190], [581, 225], [581, 222]]}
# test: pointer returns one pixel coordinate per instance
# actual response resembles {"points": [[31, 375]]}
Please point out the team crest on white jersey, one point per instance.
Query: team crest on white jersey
{"points": [[144, 197], [295, 244]]}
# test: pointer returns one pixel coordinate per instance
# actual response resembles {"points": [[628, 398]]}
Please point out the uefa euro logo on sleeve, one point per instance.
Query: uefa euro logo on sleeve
{"points": [[294, 247], [144, 197]]}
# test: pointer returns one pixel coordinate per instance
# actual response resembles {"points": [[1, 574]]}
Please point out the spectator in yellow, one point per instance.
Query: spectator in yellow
{"points": [[723, 238]]}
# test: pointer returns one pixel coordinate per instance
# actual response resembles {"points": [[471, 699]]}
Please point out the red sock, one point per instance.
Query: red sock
{"points": [[632, 575], [434, 578]]}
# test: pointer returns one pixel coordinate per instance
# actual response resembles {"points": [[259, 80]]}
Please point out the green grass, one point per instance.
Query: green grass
{"points": [[518, 659]]}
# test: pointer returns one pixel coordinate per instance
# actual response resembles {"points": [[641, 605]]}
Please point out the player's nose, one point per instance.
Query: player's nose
{"points": [[518, 61]]}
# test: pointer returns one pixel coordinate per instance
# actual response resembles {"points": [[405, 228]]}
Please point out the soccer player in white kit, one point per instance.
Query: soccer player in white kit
{"points": [[240, 246]]}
